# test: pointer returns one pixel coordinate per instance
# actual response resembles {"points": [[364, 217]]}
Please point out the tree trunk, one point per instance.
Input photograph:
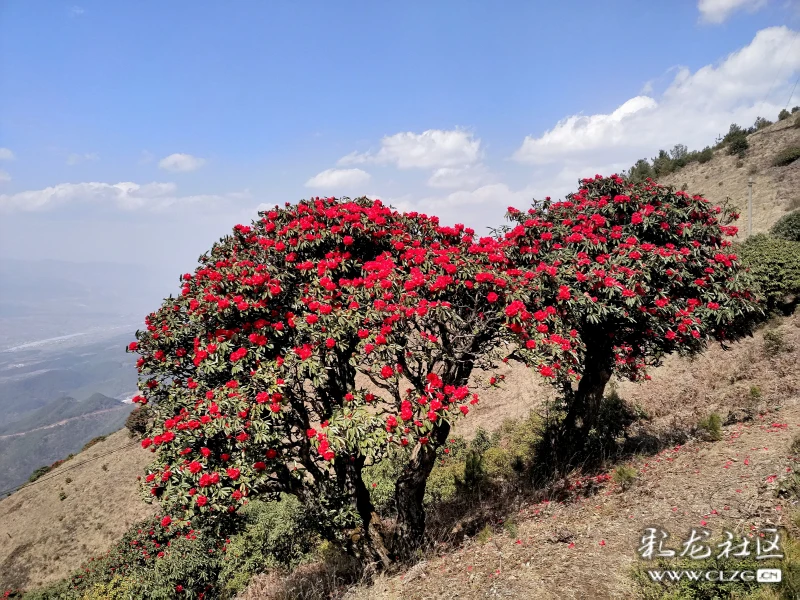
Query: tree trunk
{"points": [[366, 541], [410, 493], [589, 395]]}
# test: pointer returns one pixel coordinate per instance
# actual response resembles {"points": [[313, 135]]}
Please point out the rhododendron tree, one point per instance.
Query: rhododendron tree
{"points": [[306, 344], [634, 272]]}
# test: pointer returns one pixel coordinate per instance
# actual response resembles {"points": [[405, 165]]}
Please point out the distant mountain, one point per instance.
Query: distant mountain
{"points": [[34, 375], [52, 432], [59, 410], [64, 327]]}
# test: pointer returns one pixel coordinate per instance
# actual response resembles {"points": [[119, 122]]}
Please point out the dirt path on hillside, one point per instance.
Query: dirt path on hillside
{"points": [[91, 414], [728, 484]]}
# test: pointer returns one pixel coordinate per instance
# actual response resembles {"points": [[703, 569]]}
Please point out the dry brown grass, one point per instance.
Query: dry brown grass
{"points": [[45, 538], [776, 190], [682, 391], [557, 552]]}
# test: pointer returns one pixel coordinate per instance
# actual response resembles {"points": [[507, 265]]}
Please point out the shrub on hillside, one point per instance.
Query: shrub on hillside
{"points": [[158, 562], [38, 473], [266, 339], [787, 227], [629, 263], [625, 476], [775, 266], [92, 442], [738, 145], [761, 123], [705, 155], [784, 114], [47, 468], [137, 421], [712, 426], [786, 156], [276, 536]]}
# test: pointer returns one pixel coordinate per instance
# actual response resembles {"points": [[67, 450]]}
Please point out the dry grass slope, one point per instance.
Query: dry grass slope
{"points": [[776, 190], [724, 484], [45, 538]]}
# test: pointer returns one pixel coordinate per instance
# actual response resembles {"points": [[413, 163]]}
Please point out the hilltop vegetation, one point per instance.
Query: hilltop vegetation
{"points": [[722, 176]]}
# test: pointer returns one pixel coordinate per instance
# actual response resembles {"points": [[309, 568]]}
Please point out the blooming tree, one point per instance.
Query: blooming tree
{"points": [[307, 343], [635, 272]]}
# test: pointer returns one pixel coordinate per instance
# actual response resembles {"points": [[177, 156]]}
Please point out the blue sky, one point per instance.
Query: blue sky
{"points": [[142, 131]]}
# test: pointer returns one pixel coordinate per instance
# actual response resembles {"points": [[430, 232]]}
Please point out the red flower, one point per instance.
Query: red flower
{"points": [[201, 500], [304, 352], [272, 453], [387, 371], [166, 521], [195, 467], [233, 473]]}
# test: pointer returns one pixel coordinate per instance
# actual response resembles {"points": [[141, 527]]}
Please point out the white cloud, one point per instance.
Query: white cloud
{"points": [[695, 108], [125, 196], [717, 11], [338, 178], [480, 208], [74, 159], [4, 176], [430, 149], [76, 11], [181, 162], [459, 177], [6, 154]]}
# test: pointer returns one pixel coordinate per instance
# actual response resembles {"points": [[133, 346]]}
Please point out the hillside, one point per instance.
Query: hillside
{"points": [[53, 432], [744, 383], [45, 537], [776, 190], [717, 485]]}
